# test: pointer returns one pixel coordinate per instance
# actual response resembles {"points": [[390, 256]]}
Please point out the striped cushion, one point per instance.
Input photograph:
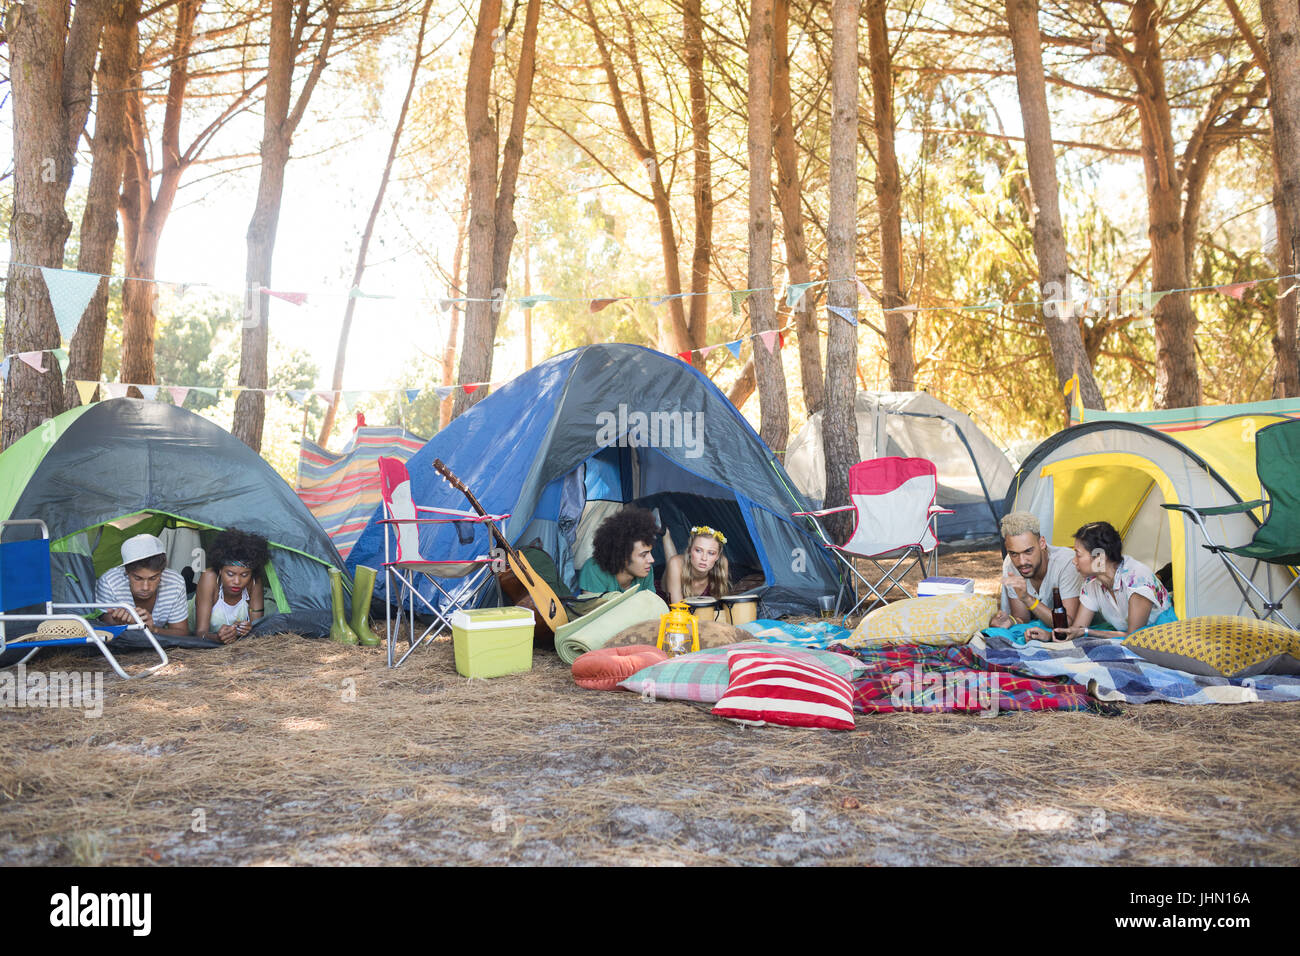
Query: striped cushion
{"points": [[769, 688], [702, 676]]}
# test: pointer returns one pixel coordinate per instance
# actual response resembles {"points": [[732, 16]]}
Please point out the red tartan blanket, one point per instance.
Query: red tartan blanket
{"points": [[923, 679]]}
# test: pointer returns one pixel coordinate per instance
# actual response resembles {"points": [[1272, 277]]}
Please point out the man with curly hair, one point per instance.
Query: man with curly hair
{"points": [[621, 555]]}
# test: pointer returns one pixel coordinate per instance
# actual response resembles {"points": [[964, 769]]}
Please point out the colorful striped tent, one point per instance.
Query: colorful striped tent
{"points": [[342, 490]]}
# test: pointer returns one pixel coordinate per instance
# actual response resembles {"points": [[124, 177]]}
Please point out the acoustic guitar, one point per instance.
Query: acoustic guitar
{"points": [[519, 582]]}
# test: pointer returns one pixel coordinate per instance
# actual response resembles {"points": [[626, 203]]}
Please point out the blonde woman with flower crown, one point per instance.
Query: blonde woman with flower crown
{"points": [[700, 572]]}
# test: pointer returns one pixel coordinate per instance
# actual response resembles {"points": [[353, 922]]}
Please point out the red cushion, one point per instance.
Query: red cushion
{"points": [[767, 688], [604, 667]]}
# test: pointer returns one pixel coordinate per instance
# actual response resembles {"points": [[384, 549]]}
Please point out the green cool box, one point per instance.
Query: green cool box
{"points": [[493, 641]]}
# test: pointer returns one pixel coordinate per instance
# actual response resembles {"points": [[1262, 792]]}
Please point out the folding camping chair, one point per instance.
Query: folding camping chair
{"points": [[403, 560], [25, 582], [894, 515], [1277, 541]]}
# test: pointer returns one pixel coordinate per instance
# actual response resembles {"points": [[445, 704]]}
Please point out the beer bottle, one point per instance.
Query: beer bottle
{"points": [[1059, 617]]}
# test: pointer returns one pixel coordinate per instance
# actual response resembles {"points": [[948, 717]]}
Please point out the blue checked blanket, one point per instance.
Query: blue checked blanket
{"points": [[1112, 672], [816, 634]]}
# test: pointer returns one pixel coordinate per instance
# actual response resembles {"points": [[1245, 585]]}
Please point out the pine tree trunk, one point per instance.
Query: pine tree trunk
{"points": [[51, 65], [1177, 378], [774, 408], [98, 235], [359, 269], [701, 175], [453, 331], [839, 422], [790, 197], [1068, 353], [1282, 37], [278, 125], [138, 317], [889, 201]]}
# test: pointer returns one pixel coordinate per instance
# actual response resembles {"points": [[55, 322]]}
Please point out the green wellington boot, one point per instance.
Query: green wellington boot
{"points": [[363, 589], [339, 630]]}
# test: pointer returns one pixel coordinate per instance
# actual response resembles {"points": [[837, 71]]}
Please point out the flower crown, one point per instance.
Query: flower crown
{"points": [[700, 529]]}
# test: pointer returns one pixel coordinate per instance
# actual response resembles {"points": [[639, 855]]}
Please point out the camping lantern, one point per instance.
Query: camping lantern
{"points": [[675, 628]]}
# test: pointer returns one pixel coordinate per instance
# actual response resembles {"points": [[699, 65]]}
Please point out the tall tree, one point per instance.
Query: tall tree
{"points": [[701, 170], [492, 226], [144, 211], [889, 202], [790, 198], [52, 63], [840, 423], [98, 236], [1068, 352], [774, 409], [280, 120], [341, 354], [1282, 36]]}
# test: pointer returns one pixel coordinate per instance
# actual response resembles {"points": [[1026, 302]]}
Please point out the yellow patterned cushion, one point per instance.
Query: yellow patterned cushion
{"points": [[1220, 646], [941, 619]]}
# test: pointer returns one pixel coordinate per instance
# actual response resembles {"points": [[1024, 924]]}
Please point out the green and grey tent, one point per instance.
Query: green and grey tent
{"points": [[98, 474]]}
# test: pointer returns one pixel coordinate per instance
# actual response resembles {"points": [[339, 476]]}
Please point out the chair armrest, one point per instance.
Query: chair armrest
{"points": [[818, 514], [455, 515], [1218, 510], [936, 510], [430, 520]]}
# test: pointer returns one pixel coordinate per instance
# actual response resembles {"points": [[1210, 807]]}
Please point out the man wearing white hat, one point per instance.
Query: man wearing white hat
{"points": [[143, 579]]}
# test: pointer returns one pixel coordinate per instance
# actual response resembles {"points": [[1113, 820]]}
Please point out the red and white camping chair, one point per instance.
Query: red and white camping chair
{"points": [[894, 516], [403, 561]]}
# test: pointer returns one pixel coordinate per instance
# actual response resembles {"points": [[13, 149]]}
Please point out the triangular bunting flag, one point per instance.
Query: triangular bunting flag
{"points": [[847, 314], [351, 398], [704, 352], [86, 391], [70, 293], [35, 359], [324, 395], [178, 394], [235, 391], [529, 301], [665, 298], [469, 389], [4, 369], [780, 342], [1152, 298], [794, 294], [356, 293], [298, 395], [210, 392], [297, 298], [61, 356], [862, 289], [1236, 289], [769, 339], [598, 304], [734, 347], [443, 392], [738, 297], [685, 356], [116, 389], [149, 392], [411, 395]]}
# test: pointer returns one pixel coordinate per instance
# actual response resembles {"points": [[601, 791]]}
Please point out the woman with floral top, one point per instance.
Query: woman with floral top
{"points": [[1117, 586]]}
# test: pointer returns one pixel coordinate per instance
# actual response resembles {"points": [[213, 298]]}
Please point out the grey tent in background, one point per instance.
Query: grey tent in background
{"points": [[973, 472]]}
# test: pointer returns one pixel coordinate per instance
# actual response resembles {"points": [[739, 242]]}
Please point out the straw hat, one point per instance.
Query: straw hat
{"points": [[55, 629]]}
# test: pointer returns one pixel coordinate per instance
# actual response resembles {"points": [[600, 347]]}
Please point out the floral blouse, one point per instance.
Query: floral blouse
{"points": [[1131, 577]]}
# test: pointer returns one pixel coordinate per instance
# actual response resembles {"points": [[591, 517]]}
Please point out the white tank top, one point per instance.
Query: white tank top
{"points": [[223, 613]]}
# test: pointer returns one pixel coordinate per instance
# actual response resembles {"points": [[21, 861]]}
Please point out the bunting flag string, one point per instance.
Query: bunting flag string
{"points": [[71, 292]]}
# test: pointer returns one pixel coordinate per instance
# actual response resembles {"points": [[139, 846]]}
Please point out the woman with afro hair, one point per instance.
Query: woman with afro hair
{"points": [[621, 557], [230, 595]]}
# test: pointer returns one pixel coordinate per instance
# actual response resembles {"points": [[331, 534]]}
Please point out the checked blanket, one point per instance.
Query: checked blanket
{"points": [[921, 678], [1114, 673]]}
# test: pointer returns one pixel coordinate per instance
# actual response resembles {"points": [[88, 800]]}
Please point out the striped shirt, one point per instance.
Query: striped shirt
{"points": [[170, 606]]}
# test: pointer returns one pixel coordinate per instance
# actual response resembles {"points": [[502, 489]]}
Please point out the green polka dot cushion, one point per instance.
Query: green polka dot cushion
{"points": [[1220, 646]]}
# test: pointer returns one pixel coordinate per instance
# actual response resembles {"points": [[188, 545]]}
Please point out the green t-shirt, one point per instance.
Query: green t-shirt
{"points": [[596, 580]]}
